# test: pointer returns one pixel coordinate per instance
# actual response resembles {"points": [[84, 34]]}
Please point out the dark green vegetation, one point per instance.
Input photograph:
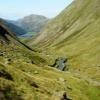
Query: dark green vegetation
{"points": [[25, 73], [16, 29]]}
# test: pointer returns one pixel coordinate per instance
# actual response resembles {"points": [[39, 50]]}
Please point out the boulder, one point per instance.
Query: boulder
{"points": [[65, 97]]}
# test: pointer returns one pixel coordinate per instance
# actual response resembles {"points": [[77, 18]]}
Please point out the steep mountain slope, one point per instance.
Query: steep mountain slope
{"points": [[24, 75], [16, 29], [9, 40], [32, 23], [81, 14], [75, 34]]}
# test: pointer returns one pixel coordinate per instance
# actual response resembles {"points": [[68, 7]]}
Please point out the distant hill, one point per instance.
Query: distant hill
{"points": [[16, 29], [32, 23]]}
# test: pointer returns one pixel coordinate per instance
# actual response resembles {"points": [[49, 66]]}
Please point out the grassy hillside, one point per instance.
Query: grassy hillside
{"points": [[75, 34], [20, 79], [25, 75]]}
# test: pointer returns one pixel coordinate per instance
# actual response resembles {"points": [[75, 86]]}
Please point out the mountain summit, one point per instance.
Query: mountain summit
{"points": [[32, 23]]}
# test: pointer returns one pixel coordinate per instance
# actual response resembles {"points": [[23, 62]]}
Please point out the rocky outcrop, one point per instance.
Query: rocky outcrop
{"points": [[60, 63], [65, 97]]}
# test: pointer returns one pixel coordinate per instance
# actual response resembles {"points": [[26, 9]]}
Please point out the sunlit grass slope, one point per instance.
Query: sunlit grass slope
{"points": [[24, 75], [75, 34]]}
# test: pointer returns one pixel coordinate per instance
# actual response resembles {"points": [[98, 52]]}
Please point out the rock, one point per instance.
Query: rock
{"points": [[32, 62], [61, 95], [34, 84], [9, 59], [2, 53], [65, 97], [60, 64]]}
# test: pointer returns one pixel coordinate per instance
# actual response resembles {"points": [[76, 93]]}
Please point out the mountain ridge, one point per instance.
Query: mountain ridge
{"points": [[17, 30], [32, 23]]}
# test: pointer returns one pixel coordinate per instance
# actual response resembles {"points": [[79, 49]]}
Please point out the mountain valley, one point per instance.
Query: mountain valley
{"points": [[60, 63]]}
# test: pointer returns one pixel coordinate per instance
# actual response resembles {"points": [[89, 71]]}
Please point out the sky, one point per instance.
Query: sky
{"points": [[15, 9]]}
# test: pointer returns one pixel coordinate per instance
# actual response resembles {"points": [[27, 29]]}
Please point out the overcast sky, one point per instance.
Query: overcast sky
{"points": [[14, 9]]}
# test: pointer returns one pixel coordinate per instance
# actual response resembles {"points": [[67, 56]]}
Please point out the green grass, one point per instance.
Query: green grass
{"points": [[75, 35], [28, 85], [38, 81]]}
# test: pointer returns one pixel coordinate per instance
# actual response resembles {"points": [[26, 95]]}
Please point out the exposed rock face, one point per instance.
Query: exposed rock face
{"points": [[60, 64], [64, 97], [61, 95], [2, 53]]}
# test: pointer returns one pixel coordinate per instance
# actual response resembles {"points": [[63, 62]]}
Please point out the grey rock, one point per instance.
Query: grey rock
{"points": [[60, 64]]}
